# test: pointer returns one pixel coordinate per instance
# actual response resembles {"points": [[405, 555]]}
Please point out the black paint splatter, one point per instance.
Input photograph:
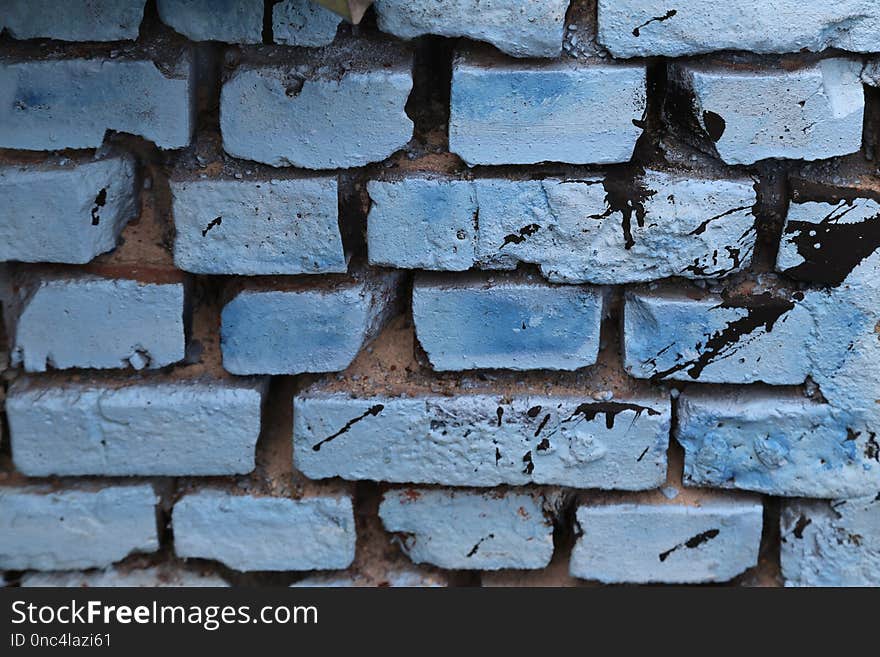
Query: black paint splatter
{"points": [[715, 125], [590, 410], [519, 238], [216, 221], [478, 543], [625, 193], [500, 413], [692, 542], [373, 410], [100, 202], [529, 467], [543, 446], [657, 19], [800, 526], [533, 411], [542, 425]]}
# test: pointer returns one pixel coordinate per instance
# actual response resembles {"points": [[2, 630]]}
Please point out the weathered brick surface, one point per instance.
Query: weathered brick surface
{"points": [[483, 440], [266, 331], [75, 528], [833, 543], [199, 427], [265, 533], [80, 206], [92, 322], [576, 229], [470, 531], [817, 110], [506, 323], [72, 20], [518, 27], [230, 226], [303, 23], [124, 577], [667, 543], [234, 21], [515, 112], [43, 111], [638, 28], [324, 113]]}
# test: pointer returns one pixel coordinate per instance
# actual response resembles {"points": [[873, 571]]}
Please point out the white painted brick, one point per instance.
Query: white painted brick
{"points": [[515, 112], [152, 577], [811, 113], [638, 28], [469, 530], [681, 226], [667, 543], [260, 227], [72, 20], [774, 442], [303, 23], [67, 529], [86, 321], [521, 28], [422, 223], [265, 533], [199, 427], [42, 110], [506, 322], [65, 211], [483, 440], [324, 120], [320, 329], [831, 544], [232, 21], [672, 336]]}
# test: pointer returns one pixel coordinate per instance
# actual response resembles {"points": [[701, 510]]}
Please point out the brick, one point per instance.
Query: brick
{"points": [[516, 112], [517, 27], [593, 229], [396, 578], [773, 442], [80, 205], [811, 113], [232, 21], [319, 329], [68, 529], [833, 543], [422, 223], [324, 113], [669, 335], [265, 533], [72, 20], [470, 530], [152, 577], [482, 440], [88, 321], [250, 227], [506, 322], [636, 28], [44, 111], [198, 427], [667, 542], [303, 23]]}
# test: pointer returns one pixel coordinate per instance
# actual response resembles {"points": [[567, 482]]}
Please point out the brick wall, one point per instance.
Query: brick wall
{"points": [[500, 293]]}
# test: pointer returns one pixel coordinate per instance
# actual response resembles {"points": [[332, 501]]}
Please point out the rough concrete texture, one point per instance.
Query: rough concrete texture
{"points": [[151, 577], [833, 543], [522, 28], [88, 321], [265, 533], [249, 227], [773, 442], [518, 112], [667, 543], [483, 440], [75, 528], [79, 206], [199, 427], [674, 336], [640, 28], [470, 530], [232, 21], [506, 322], [654, 226], [266, 331], [72, 20], [42, 110], [335, 116], [811, 112], [303, 23]]}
